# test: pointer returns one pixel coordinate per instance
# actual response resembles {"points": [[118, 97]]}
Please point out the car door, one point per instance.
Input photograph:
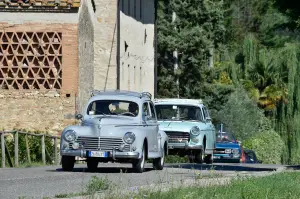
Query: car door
{"points": [[148, 128], [154, 127], [211, 135]]}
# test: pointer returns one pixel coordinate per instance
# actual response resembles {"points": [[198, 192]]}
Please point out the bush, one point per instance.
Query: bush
{"points": [[267, 145], [242, 117]]}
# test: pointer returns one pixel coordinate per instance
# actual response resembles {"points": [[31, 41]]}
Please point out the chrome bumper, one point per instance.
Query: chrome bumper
{"points": [[185, 146], [112, 154]]}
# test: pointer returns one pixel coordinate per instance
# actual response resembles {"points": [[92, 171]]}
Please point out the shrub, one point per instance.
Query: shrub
{"points": [[242, 117], [267, 145]]}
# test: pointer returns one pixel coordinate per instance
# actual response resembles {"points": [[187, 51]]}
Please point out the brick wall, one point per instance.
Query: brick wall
{"points": [[37, 109], [69, 48]]}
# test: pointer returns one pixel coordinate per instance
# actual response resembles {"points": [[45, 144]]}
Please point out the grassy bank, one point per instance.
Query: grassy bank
{"points": [[282, 185]]}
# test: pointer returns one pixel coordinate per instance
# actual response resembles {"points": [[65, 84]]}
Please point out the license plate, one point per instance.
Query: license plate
{"points": [[99, 154]]}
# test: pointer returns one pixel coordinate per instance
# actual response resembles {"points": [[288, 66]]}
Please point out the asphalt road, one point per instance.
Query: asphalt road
{"points": [[48, 181]]}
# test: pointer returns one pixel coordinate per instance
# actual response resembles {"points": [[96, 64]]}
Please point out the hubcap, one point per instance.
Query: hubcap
{"points": [[162, 158], [143, 160]]}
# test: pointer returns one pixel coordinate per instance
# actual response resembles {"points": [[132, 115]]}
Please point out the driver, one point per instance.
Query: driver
{"points": [[133, 108]]}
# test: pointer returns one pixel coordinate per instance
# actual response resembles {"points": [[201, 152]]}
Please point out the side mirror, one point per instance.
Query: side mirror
{"points": [[78, 116]]}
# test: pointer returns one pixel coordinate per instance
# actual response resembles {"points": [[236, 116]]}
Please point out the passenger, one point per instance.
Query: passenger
{"points": [[133, 108]]}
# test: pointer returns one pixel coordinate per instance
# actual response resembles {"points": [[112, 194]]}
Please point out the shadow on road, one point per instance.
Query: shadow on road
{"points": [[237, 167], [293, 167], [102, 170]]}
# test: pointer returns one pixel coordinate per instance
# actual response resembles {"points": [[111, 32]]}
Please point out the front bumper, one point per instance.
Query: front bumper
{"points": [[114, 154], [229, 157], [185, 146]]}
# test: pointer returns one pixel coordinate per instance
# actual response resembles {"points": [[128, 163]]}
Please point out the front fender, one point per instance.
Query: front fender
{"points": [[163, 137], [79, 130]]}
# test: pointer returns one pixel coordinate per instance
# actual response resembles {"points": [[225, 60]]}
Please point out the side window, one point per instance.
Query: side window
{"points": [[153, 115], [206, 112], [199, 114], [145, 109]]}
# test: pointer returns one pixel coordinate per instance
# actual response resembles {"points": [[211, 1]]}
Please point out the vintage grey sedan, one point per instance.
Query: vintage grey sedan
{"points": [[117, 126], [189, 127]]}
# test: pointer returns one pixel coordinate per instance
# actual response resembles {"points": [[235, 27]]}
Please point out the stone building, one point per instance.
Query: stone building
{"points": [[53, 52]]}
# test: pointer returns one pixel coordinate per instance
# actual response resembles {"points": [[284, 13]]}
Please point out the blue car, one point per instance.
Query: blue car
{"points": [[228, 149]]}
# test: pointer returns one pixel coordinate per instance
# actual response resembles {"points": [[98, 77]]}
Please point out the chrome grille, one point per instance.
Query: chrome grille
{"points": [[102, 143], [178, 137]]}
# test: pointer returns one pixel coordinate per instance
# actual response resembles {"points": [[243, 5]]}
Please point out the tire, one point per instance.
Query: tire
{"points": [[92, 164], [67, 162], [139, 165], [199, 157], [196, 157], [158, 163], [208, 159]]}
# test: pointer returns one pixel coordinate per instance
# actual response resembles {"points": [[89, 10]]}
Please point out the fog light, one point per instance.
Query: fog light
{"points": [[195, 140], [121, 147], [75, 145]]}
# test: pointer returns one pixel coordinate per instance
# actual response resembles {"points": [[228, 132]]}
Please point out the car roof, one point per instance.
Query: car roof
{"points": [[195, 102], [119, 93]]}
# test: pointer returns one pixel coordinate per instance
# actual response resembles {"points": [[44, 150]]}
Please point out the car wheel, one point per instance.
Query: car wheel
{"points": [[139, 164], [158, 163], [208, 159], [92, 164], [199, 157], [67, 162]]}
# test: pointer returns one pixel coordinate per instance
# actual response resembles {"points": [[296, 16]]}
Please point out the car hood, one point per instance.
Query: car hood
{"points": [[104, 121], [184, 126], [224, 145], [114, 126]]}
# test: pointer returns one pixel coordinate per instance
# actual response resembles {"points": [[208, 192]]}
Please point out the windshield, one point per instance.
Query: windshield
{"points": [[225, 137], [113, 107], [178, 112]]}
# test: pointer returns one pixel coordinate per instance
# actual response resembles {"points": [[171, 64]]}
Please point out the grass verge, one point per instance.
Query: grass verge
{"points": [[95, 185], [277, 186]]}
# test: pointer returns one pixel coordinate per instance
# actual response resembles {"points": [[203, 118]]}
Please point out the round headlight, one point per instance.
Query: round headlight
{"points": [[129, 137], [195, 131], [235, 151], [70, 136]]}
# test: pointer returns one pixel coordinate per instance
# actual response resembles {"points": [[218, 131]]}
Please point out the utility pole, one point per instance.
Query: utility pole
{"points": [[175, 56]]}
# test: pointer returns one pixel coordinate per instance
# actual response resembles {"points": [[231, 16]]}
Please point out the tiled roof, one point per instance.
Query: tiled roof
{"points": [[39, 3]]}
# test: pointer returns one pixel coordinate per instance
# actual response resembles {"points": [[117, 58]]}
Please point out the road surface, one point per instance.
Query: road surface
{"points": [[42, 182]]}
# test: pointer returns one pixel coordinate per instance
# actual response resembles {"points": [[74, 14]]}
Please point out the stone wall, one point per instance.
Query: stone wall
{"points": [[36, 110], [86, 53], [137, 45], [105, 62]]}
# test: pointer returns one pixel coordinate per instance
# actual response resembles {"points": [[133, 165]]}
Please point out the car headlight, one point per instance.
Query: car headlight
{"points": [[195, 131], [70, 136], [129, 137], [235, 151]]}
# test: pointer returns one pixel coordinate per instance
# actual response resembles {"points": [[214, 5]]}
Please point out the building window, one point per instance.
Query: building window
{"points": [[134, 12], [141, 9], [122, 6], [129, 7], [30, 60], [128, 77]]}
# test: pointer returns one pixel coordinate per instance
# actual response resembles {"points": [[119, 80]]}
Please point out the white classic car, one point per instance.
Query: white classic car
{"points": [[117, 126], [189, 127]]}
